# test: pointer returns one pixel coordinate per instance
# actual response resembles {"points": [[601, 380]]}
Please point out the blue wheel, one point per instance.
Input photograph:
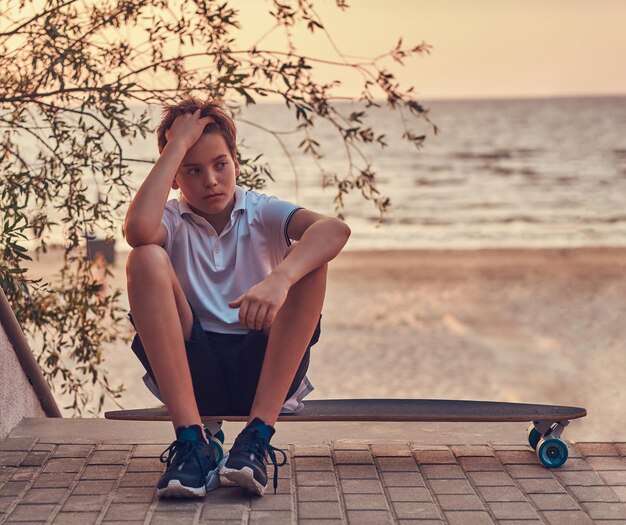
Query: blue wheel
{"points": [[533, 436], [552, 452]]}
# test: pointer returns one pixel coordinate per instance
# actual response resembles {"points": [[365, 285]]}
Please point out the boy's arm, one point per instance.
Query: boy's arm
{"points": [[143, 219], [320, 239]]}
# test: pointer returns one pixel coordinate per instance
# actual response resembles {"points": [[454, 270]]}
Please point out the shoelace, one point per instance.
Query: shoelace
{"points": [[179, 452], [261, 447]]}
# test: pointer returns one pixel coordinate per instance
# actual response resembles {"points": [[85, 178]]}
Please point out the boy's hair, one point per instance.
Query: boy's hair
{"points": [[222, 124]]}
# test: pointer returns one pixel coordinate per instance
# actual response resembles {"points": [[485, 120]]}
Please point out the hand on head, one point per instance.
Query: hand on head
{"points": [[187, 128]]}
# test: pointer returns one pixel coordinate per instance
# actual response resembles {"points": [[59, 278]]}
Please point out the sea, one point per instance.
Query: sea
{"points": [[498, 173], [540, 172]]}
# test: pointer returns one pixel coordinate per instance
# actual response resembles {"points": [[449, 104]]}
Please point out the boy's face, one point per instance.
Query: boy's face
{"points": [[207, 178]]}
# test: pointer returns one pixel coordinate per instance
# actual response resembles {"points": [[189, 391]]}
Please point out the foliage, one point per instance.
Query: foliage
{"points": [[71, 72]]}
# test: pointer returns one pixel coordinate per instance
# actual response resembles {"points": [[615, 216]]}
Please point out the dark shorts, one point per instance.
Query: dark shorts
{"points": [[225, 368]]}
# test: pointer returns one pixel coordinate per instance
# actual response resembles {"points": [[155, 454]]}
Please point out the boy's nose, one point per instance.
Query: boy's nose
{"points": [[210, 180]]}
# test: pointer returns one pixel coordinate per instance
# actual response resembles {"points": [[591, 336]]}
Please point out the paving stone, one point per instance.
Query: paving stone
{"points": [[316, 478], [554, 502], [90, 502], [621, 448], [357, 472], [512, 510], [348, 444], [461, 451], [576, 464], [620, 492], [76, 518], [607, 463], [399, 450], [402, 479], [387, 464], [469, 518], [365, 502], [14, 443], [102, 472], [126, 511], [528, 471], [6, 502], [311, 450], [606, 494], [490, 479], [165, 518], [226, 496], [451, 486], [598, 449], [509, 457], [64, 465], [140, 479], [351, 457], [480, 463], [314, 463], [134, 494], [145, 465], [361, 486], [108, 457], [147, 451], [460, 502], [409, 494], [319, 510], [35, 458], [11, 458], [103, 486], [272, 502], [23, 512], [212, 512], [601, 511], [73, 451], [434, 457], [521, 522], [13, 488], [368, 517], [275, 517], [318, 493], [7, 472], [318, 522], [567, 517], [106, 446], [24, 473], [506, 493], [615, 477], [50, 495], [55, 480], [442, 472], [172, 506], [416, 510], [582, 477]]}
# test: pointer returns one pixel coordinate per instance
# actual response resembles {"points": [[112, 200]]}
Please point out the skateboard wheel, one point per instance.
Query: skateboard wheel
{"points": [[533, 436], [552, 452]]}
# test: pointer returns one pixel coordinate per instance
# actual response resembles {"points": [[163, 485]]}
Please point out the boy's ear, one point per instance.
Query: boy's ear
{"points": [[175, 183], [236, 167]]}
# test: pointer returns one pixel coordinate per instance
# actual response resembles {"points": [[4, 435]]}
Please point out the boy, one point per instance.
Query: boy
{"points": [[226, 308]]}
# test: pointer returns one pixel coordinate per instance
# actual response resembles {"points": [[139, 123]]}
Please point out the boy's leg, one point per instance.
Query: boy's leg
{"points": [[163, 320], [289, 338]]}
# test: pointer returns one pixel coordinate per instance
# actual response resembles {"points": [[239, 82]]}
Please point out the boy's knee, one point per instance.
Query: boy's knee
{"points": [[142, 258]]}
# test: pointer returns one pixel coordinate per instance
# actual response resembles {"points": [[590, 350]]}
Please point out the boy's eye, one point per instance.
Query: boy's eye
{"points": [[192, 171], [221, 164]]}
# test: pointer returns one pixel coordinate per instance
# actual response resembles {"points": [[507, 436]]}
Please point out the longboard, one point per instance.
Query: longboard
{"points": [[548, 421]]}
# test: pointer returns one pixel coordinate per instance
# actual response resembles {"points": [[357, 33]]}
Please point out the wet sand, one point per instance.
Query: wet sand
{"points": [[520, 325]]}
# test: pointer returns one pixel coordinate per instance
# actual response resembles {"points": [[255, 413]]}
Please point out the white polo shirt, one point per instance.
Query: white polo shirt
{"points": [[216, 269]]}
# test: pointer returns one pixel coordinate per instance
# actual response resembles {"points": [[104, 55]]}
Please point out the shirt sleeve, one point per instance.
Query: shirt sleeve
{"points": [[274, 216], [171, 219]]}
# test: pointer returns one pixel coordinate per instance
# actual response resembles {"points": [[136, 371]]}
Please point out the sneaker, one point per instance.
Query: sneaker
{"points": [[245, 465], [192, 465]]}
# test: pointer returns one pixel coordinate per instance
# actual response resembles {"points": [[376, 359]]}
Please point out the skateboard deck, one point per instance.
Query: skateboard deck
{"points": [[547, 421], [399, 410]]}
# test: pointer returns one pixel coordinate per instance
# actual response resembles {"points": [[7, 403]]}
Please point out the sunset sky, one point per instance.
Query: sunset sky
{"points": [[481, 48]]}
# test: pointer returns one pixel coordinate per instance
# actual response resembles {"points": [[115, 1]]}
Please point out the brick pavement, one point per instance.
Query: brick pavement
{"points": [[84, 482]]}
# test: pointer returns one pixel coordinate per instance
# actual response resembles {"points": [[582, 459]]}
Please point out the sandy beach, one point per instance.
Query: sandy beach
{"points": [[521, 325]]}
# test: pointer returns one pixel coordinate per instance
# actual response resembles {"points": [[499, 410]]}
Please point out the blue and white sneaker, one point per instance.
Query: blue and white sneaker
{"points": [[193, 464], [246, 461]]}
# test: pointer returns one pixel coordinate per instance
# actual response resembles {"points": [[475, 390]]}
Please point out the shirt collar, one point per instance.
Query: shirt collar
{"points": [[240, 204]]}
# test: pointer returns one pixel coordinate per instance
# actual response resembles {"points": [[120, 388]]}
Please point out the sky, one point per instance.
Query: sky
{"points": [[480, 48]]}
